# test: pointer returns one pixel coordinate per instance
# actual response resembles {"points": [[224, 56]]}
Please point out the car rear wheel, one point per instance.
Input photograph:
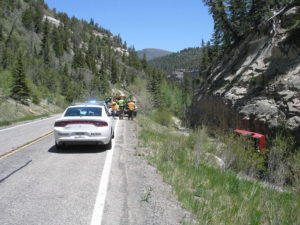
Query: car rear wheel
{"points": [[109, 145], [59, 146]]}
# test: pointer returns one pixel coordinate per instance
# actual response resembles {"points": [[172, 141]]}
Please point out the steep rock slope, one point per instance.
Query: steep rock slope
{"points": [[256, 85]]}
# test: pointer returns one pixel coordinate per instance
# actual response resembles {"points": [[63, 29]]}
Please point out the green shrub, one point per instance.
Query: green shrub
{"points": [[5, 82], [162, 117], [241, 156], [34, 93], [294, 165], [281, 159]]}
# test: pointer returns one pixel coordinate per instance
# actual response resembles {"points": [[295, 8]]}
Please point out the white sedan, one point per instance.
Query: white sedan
{"points": [[84, 124]]}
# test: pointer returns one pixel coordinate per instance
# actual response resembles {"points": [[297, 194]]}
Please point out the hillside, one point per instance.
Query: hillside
{"points": [[45, 54], [187, 59], [152, 53], [255, 84]]}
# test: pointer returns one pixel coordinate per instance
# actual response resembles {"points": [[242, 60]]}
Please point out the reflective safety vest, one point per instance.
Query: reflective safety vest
{"points": [[131, 106], [114, 105], [121, 102]]}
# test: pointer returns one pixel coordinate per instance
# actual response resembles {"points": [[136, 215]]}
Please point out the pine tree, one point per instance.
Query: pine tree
{"points": [[38, 17], [20, 90], [210, 53], [204, 58], [124, 58], [123, 75], [217, 42], [144, 62], [259, 10], [125, 45], [28, 18], [72, 92], [7, 58], [92, 23], [234, 18], [91, 54], [45, 45], [114, 71], [95, 85], [238, 15], [78, 59], [104, 81], [58, 42], [154, 86], [1, 33], [65, 78], [65, 34], [187, 87]]}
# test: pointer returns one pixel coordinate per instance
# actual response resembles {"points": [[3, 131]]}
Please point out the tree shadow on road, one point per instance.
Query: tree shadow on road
{"points": [[15, 171], [78, 149]]}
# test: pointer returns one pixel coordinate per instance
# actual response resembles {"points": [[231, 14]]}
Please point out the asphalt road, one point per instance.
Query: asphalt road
{"points": [[40, 185], [15, 136]]}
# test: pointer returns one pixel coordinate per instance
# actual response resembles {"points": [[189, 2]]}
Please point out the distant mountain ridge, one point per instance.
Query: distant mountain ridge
{"points": [[186, 59], [152, 53]]}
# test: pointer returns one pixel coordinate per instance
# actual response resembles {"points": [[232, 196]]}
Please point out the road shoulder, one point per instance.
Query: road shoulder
{"points": [[137, 194]]}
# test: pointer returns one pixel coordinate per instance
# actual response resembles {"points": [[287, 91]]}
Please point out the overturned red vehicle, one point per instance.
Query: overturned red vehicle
{"points": [[259, 139]]}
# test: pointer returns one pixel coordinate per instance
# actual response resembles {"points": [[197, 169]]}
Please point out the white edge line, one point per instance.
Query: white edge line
{"points": [[21, 125], [101, 196]]}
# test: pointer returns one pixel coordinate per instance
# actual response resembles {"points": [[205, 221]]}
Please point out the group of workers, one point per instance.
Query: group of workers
{"points": [[120, 106]]}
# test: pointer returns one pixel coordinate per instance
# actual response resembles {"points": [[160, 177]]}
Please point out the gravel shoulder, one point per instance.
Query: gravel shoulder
{"points": [[137, 195]]}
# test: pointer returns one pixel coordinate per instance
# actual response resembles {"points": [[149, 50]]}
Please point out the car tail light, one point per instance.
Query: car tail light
{"points": [[95, 123]]}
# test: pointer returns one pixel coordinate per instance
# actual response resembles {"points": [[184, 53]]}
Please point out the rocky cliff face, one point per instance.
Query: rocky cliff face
{"points": [[256, 85]]}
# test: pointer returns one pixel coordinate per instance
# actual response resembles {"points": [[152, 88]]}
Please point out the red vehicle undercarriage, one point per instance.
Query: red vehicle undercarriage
{"points": [[260, 141]]}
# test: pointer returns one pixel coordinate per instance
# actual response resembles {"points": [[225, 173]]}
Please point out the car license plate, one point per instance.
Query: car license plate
{"points": [[79, 136]]}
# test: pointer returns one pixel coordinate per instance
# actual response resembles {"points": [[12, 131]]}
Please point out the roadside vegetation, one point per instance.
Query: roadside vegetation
{"points": [[12, 111], [26, 118], [215, 181]]}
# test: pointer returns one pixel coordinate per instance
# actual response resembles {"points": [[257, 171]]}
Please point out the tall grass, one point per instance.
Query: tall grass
{"points": [[214, 194]]}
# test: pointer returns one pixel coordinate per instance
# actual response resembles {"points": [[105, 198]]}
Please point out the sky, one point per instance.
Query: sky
{"points": [[165, 24]]}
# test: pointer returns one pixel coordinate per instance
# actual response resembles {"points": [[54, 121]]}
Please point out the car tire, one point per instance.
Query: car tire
{"points": [[59, 146], [109, 145], [112, 134]]}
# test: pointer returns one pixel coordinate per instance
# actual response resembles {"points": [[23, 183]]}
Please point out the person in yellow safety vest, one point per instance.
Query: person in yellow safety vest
{"points": [[114, 108], [121, 104], [131, 107]]}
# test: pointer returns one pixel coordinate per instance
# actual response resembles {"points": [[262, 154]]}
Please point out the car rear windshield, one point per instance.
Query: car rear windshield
{"points": [[84, 111]]}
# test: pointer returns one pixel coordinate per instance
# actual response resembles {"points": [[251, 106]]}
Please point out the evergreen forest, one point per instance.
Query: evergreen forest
{"points": [[46, 54]]}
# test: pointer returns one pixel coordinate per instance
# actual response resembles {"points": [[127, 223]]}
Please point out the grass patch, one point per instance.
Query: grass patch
{"points": [[162, 117], [215, 196], [26, 118]]}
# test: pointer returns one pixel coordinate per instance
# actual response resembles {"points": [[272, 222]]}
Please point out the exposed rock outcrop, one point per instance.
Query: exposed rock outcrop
{"points": [[256, 85]]}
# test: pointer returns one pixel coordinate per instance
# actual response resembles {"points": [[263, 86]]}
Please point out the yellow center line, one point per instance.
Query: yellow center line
{"points": [[9, 153]]}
